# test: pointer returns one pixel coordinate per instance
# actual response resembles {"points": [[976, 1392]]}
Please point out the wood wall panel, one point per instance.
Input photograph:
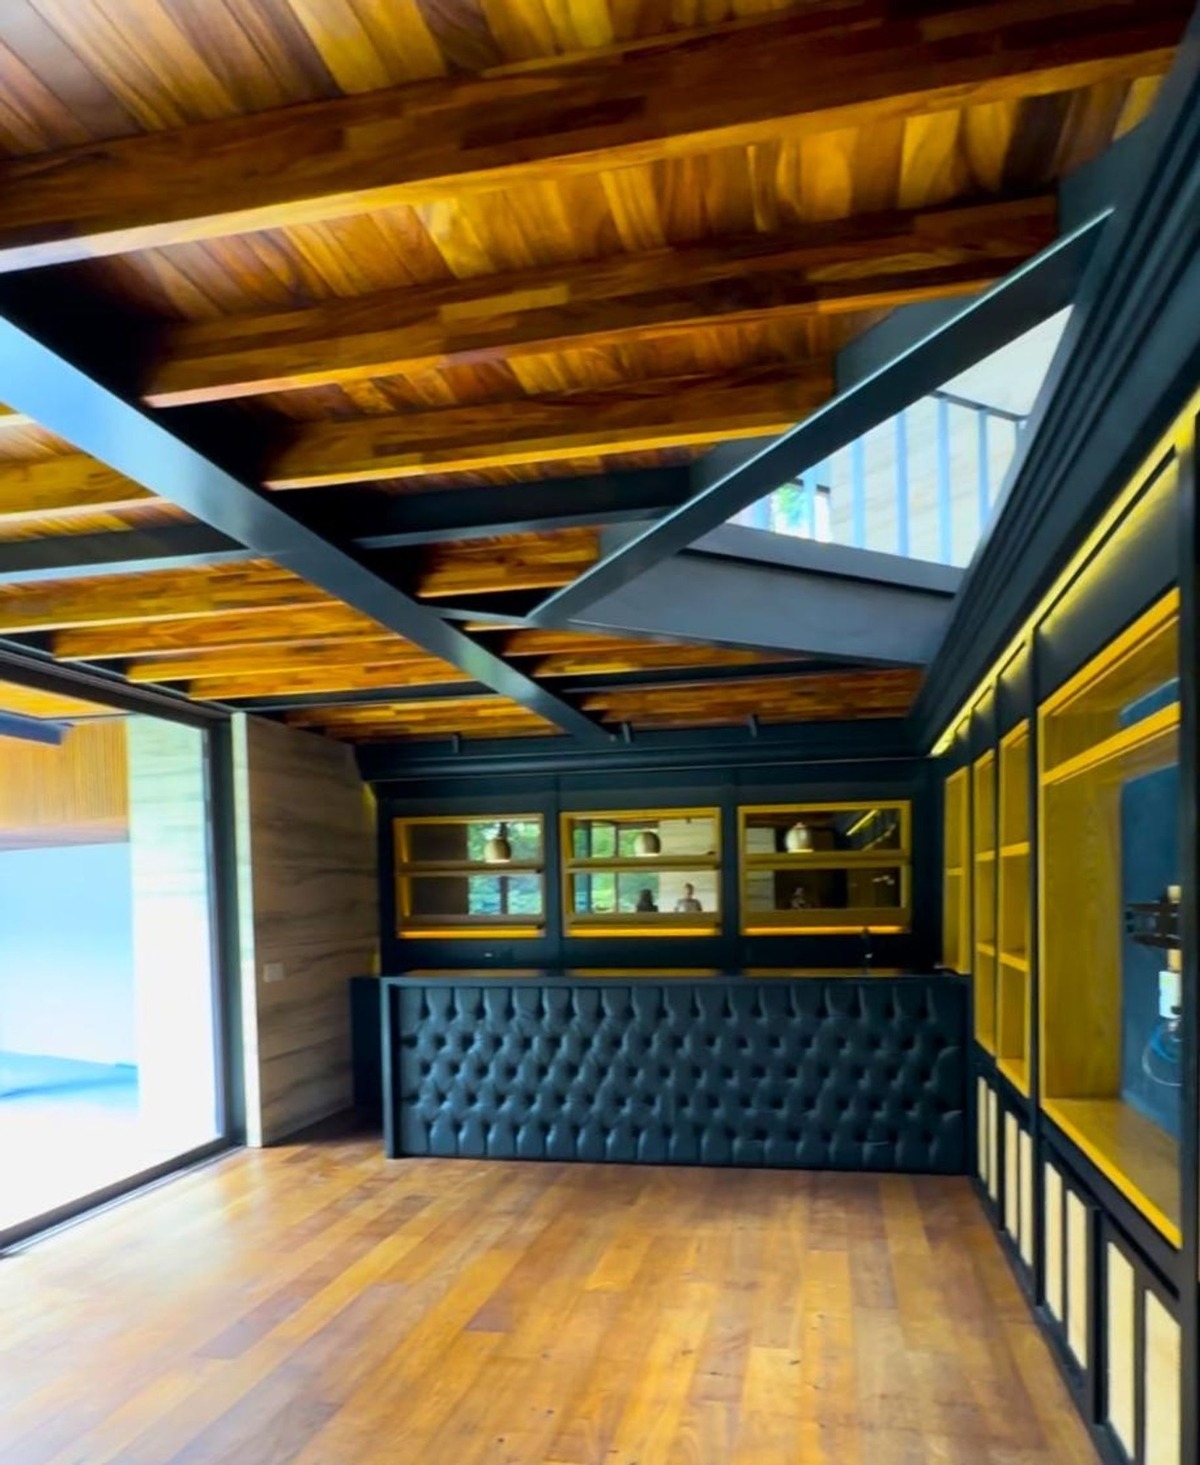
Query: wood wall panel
{"points": [[75, 793], [1120, 1349], [1012, 1176], [1162, 1385], [1054, 1241], [310, 920], [1026, 1218], [1078, 1273]]}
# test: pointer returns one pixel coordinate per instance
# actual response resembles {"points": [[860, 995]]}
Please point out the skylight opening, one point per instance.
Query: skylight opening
{"points": [[926, 483]]}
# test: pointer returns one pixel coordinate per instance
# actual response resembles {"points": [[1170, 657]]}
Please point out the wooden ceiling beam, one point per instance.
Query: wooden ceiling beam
{"points": [[64, 487], [641, 416], [228, 631], [812, 71], [398, 675], [168, 595], [275, 659], [861, 264]]}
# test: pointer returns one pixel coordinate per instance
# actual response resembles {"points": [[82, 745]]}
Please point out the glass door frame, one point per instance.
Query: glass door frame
{"points": [[23, 667]]}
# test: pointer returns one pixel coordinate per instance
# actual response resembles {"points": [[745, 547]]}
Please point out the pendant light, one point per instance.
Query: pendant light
{"points": [[646, 843], [798, 839]]}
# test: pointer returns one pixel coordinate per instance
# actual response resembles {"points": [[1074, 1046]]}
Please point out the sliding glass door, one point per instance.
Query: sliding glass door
{"points": [[109, 1032]]}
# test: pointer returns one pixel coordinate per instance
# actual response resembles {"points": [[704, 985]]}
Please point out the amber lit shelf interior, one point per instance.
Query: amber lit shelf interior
{"points": [[983, 831], [641, 872], [825, 869], [956, 916], [1012, 974], [1117, 720]]}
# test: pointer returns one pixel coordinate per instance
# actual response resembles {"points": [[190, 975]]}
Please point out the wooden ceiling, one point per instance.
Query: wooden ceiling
{"points": [[391, 250]]}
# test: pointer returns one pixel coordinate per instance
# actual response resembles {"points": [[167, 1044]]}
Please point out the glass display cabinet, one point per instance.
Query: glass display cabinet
{"points": [[1012, 946], [983, 830], [1109, 904], [825, 868], [646, 872], [470, 876], [956, 888]]}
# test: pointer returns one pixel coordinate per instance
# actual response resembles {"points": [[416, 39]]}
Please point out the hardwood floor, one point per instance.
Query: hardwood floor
{"points": [[317, 1305]]}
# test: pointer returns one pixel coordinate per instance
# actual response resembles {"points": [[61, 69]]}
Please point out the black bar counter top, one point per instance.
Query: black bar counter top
{"points": [[820, 1070]]}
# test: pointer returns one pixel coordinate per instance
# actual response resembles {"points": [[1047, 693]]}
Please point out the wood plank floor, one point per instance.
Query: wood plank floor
{"points": [[316, 1305]]}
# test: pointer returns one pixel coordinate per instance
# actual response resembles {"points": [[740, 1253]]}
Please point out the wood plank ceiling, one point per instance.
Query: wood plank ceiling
{"points": [[448, 244]]}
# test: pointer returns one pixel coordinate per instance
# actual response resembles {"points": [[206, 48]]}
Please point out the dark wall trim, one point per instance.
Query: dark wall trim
{"points": [[731, 747]]}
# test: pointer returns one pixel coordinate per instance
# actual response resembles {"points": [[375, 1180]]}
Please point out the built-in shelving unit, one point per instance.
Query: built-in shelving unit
{"points": [[956, 890], [1109, 746], [1013, 970], [470, 876], [825, 868], [643, 872], [983, 831]]}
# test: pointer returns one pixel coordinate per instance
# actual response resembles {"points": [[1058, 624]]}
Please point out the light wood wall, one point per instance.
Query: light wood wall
{"points": [[72, 793], [309, 920]]}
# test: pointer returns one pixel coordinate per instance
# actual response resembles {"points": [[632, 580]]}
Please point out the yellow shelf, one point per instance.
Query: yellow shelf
{"points": [[985, 856], [1016, 1070], [1014, 851], [1140, 1159], [986, 947], [1117, 745], [954, 870], [1017, 960]]}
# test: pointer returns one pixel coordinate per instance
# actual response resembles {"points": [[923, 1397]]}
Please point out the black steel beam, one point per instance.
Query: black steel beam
{"points": [[123, 552], [1127, 365], [377, 519], [66, 401], [894, 372], [356, 697], [369, 520], [737, 603], [762, 546], [29, 666]]}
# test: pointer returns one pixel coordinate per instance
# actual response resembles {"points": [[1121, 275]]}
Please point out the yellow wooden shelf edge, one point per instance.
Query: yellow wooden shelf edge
{"points": [[1095, 1125], [1016, 1070], [1117, 745]]}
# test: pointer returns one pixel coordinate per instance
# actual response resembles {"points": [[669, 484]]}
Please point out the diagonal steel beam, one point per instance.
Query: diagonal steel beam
{"points": [[65, 400], [732, 477]]}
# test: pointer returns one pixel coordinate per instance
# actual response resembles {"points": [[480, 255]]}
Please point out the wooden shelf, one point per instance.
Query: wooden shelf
{"points": [[1140, 1159], [1118, 746], [1016, 1070]]}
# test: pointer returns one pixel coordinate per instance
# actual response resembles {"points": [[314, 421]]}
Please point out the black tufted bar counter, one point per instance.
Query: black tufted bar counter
{"points": [[806, 1072]]}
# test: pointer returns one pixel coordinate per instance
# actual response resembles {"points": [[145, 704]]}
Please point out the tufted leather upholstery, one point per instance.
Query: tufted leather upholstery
{"points": [[836, 1073]]}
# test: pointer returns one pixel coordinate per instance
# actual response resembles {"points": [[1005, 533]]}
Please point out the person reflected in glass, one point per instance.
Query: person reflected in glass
{"points": [[687, 902], [645, 900]]}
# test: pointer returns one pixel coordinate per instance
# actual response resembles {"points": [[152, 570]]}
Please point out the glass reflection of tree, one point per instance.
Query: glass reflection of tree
{"points": [[502, 894]]}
